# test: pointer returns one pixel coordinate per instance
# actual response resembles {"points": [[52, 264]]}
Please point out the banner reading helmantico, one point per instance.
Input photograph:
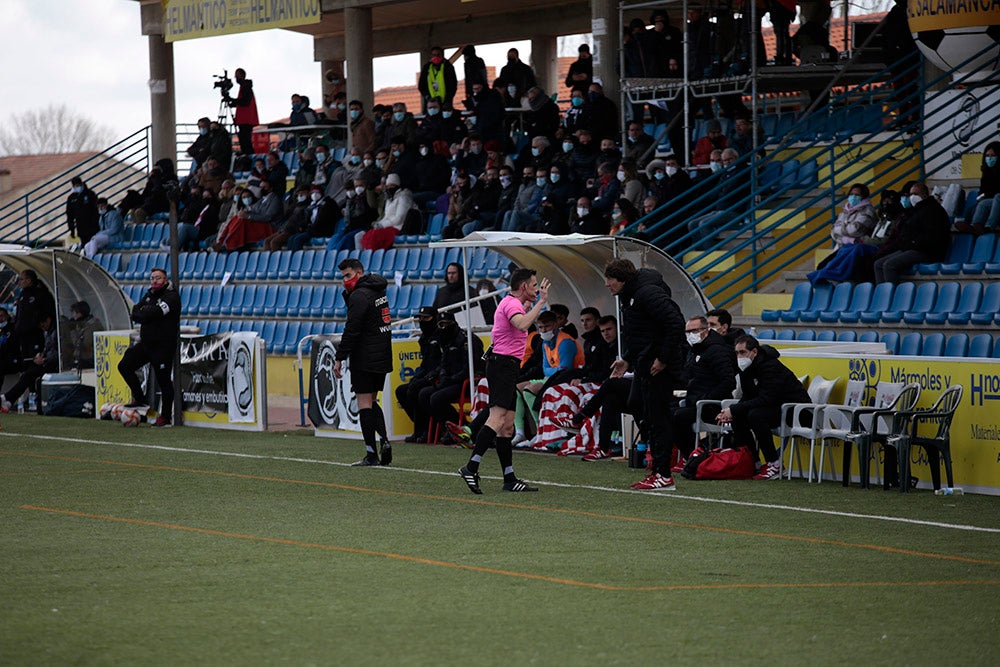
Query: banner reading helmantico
{"points": [[190, 19]]}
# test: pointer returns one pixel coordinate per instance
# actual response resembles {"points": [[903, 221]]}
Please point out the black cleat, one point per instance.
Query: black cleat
{"points": [[367, 461], [471, 480], [385, 454], [518, 486], [140, 403]]}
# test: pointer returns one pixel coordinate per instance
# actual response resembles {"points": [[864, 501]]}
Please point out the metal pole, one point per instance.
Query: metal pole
{"points": [[686, 41], [175, 279]]}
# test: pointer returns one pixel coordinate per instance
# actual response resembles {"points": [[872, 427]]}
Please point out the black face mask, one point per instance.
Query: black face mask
{"points": [[428, 328]]}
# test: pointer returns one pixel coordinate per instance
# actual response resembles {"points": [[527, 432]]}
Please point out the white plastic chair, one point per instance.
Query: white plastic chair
{"points": [[791, 426], [832, 424]]}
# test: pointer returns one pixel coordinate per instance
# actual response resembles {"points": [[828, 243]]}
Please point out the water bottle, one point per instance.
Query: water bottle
{"points": [[616, 442], [31, 403], [20, 406], [949, 491], [753, 331]]}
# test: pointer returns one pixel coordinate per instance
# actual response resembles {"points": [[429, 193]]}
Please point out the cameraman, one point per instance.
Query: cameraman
{"points": [[245, 116]]}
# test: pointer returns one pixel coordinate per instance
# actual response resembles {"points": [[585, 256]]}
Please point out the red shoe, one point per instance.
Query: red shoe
{"points": [[567, 425], [680, 466], [597, 455], [768, 471], [655, 481]]}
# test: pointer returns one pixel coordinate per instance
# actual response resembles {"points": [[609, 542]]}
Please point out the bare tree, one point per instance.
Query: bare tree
{"points": [[54, 129]]}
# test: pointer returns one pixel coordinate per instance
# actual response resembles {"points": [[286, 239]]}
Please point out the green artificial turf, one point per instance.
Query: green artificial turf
{"points": [[114, 555]]}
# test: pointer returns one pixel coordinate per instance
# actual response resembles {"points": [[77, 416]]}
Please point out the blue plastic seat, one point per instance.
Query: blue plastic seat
{"points": [[789, 173], [252, 304], [253, 268], [267, 266], [765, 334], [292, 336], [982, 253], [392, 293], [826, 336], [806, 335], [902, 299], [981, 345], [891, 341], [273, 295], [226, 300], [924, 299], [808, 174], [309, 258], [909, 345], [770, 177], [785, 334], [326, 268], [288, 300], [295, 265], [988, 307], [800, 301], [279, 338], [284, 264], [339, 304], [860, 298], [992, 267], [266, 331], [868, 337], [837, 301], [240, 268], [436, 225], [958, 252], [211, 300], [847, 336], [933, 345], [957, 345], [374, 262], [314, 306]]}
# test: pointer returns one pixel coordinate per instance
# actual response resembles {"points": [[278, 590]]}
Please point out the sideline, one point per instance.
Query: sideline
{"points": [[666, 494]]}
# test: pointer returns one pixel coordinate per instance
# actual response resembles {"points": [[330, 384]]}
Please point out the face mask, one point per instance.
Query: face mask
{"points": [[236, 199], [433, 111], [369, 162], [915, 199], [659, 175], [355, 159], [360, 189], [300, 198], [77, 189], [671, 170], [621, 176], [535, 152], [379, 163], [315, 196], [427, 328], [715, 166], [483, 292], [582, 212], [349, 284], [567, 147], [512, 90], [437, 60], [296, 107], [446, 114], [470, 122], [991, 161], [247, 201], [398, 116], [593, 95], [577, 102], [744, 363], [424, 151], [332, 105], [505, 181], [475, 149], [355, 113], [204, 130], [341, 106], [853, 200], [905, 202], [547, 335], [540, 182], [694, 338], [554, 178], [396, 153], [390, 192], [320, 157]]}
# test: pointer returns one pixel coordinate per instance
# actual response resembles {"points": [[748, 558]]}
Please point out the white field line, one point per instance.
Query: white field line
{"points": [[664, 494]]}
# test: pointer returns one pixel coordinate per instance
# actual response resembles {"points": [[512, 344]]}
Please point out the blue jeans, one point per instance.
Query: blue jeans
{"points": [[987, 212]]}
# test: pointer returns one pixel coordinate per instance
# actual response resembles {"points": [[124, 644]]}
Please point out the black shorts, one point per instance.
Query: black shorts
{"points": [[367, 382], [501, 374]]}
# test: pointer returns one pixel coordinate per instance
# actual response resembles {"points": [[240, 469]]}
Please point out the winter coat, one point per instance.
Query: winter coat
{"points": [[158, 314], [853, 224], [768, 383], [367, 337], [453, 346], [652, 325], [711, 369]]}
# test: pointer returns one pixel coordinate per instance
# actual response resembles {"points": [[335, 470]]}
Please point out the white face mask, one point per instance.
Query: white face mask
{"points": [[505, 181], [621, 176], [369, 162], [582, 212], [320, 157], [670, 169], [915, 199], [424, 151], [360, 189], [693, 338], [567, 147], [300, 198], [547, 335], [715, 166], [315, 196], [744, 363], [483, 292]]}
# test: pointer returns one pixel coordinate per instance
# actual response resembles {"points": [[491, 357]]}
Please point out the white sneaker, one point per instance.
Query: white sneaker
{"points": [[518, 439]]}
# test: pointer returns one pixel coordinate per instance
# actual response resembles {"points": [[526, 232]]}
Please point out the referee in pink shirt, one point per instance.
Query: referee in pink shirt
{"points": [[503, 360]]}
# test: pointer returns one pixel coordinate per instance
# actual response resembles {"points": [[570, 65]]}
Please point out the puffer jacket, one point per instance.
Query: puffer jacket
{"points": [[768, 383], [158, 314], [652, 325], [711, 369], [853, 224], [367, 338]]}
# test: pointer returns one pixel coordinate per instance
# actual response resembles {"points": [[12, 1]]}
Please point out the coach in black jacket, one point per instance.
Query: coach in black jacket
{"points": [[158, 314], [767, 384], [711, 370], [367, 344], [653, 336]]}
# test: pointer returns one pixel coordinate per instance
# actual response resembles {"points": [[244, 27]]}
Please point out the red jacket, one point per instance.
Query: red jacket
{"points": [[246, 105]]}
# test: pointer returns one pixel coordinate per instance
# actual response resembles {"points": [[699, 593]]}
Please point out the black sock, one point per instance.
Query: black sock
{"points": [[380, 421], [366, 417], [484, 441], [505, 452]]}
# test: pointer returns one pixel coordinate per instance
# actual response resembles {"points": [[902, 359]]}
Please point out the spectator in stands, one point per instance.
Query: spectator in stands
{"points": [[435, 401], [253, 223], [337, 111], [488, 112], [721, 321], [622, 216], [154, 197], [853, 225], [584, 220], [245, 116], [307, 168], [471, 158], [577, 114], [239, 194], [202, 146], [581, 72], [301, 113], [211, 175], [41, 356], [782, 13], [986, 215], [713, 140], [405, 162], [632, 187], [277, 174], [81, 211], [732, 190], [402, 124], [432, 175], [201, 221], [542, 120], [653, 331], [461, 206], [767, 384], [437, 79], [640, 59], [666, 41], [898, 49], [922, 236], [556, 202], [397, 209], [486, 192], [221, 144], [475, 69], [583, 158], [701, 36], [432, 127], [111, 228], [362, 127], [340, 177], [78, 336], [323, 214], [638, 146], [296, 220], [453, 289], [711, 375], [517, 72], [602, 114], [743, 139], [258, 173], [528, 200], [359, 214], [606, 190], [424, 375]]}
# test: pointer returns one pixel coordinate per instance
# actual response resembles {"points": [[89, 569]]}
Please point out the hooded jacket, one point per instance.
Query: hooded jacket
{"points": [[768, 383], [711, 369], [367, 338], [652, 325]]}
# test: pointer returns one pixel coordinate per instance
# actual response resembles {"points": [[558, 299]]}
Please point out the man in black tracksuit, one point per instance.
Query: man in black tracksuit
{"points": [[425, 374], [34, 303], [653, 348], [82, 217], [367, 345], [767, 384], [158, 314], [435, 399], [711, 371]]}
